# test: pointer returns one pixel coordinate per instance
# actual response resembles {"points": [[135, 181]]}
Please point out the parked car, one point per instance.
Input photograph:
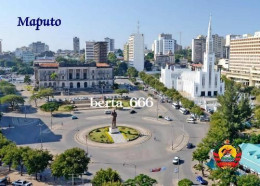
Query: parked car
{"points": [[74, 117], [201, 180], [184, 111], [132, 111], [175, 105], [162, 101], [204, 118], [167, 118], [21, 183], [176, 160], [189, 145], [4, 181], [190, 120], [211, 111], [108, 112]]}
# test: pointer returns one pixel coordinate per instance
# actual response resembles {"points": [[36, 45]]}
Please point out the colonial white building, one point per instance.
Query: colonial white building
{"points": [[164, 44], [197, 82]]}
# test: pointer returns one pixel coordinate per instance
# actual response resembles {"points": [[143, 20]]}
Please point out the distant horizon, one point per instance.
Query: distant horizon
{"points": [[96, 20]]}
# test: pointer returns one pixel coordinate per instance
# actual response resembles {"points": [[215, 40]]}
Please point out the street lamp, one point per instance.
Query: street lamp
{"points": [[51, 116]]}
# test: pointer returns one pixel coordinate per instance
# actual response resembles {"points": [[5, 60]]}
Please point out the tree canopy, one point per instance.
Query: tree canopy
{"points": [[106, 176], [140, 180], [13, 100], [185, 182]]}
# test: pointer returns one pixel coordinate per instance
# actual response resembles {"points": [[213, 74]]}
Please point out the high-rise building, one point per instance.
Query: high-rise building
{"points": [[218, 46], [27, 56], [100, 51], [244, 59], [198, 48], [38, 47], [76, 46], [164, 44], [1, 51], [136, 51], [89, 51], [126, 52], [110, 44]]}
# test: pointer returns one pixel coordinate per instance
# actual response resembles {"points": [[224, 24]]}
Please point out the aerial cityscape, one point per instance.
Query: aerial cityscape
{"points": [[137, 94]]}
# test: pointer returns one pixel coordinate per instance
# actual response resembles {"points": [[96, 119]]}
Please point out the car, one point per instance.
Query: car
{"points": [[211, 111], [176, 160], [189, 145], [190, 120], [74, 117], [108, 112], [175, 105], [132, 111], [4, 181], [21, 183], [167, 118], [201, 180], [162, 101]]}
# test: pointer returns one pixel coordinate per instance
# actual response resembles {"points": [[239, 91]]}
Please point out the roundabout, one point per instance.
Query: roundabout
{"points": [[136, 135]]}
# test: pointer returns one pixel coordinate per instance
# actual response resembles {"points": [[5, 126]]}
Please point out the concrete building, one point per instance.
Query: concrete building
{"points": [[162, 60], [1, 50], [164, 44], [27, 56], [89, 51], [110, 44], [198, 47], [76, 45], [244, 59], [126, 52], [218, 46], [87, 77], [205, 81], [136, 51], [19, 51], [100, 51], [38, 47]]}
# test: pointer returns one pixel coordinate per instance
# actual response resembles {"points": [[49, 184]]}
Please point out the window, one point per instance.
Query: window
{"points": [[203, 81]]}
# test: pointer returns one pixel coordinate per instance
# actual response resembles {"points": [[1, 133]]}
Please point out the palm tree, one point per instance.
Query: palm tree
{"points": [[54, 76]]}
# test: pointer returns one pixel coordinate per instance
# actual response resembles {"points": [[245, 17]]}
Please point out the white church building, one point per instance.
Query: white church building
{"points": [[203, 81]]}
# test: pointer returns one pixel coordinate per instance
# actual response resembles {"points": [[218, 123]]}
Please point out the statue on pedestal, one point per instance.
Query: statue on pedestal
{"points": [[114, 114]]}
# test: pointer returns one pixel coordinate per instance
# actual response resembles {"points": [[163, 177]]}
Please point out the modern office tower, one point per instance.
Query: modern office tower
{"points": [[110, 44], [136, 51], [1, 51], [244, 59], [227, 45], [38, 47], [164, 44], [100, 51], [218, 45], [76, 46], [198, 48], [89, 51], [126, 52]]}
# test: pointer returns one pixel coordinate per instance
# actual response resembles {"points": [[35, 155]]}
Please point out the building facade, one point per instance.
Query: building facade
{"points": [[136, 51], [1, 50], [74, 77], [110, 44], [76, 45], [28, 56], [205, 81], [244, 59], [164, 44], [100, 51], [126, 52], [198, 47], [89, 51], [38, 47]]}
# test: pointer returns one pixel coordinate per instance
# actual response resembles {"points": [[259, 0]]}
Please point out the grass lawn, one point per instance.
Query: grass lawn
{"points": [[101, 135], [129, 133], [65, 108]]}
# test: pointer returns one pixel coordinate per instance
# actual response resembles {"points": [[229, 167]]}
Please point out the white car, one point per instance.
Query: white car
{"points": [[167, 118], [108, 112], [176, 160], [190, 120], [21, 183]]}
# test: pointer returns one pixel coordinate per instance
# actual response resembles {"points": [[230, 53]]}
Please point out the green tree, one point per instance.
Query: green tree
{"points": [[13, 100], [224, 176], [197, 110], [36, 161], [34, 97], [7, 154], [132, 72], [46, 93], [27, 79], [121, 91], [72, 161], [140, 180], [185, 182], [3, 141], [111, 57], [105, 176], [19, 155], [7, 88], [248, 180], [50, 107], [149, 56], [54, 76], [201, 154]]}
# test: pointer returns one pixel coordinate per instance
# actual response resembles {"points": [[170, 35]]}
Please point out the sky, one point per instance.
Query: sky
{"points": [[117, 19]]}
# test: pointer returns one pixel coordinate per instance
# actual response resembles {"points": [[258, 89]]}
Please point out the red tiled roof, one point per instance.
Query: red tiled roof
{"points": [[197, 65], [49, 64], [102, 65]]}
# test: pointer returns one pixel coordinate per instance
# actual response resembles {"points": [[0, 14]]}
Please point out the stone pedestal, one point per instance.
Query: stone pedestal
{"points": [[113, 131]]}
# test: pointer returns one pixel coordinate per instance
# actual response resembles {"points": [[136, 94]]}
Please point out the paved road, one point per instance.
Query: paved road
{"points": [[151, 154]]}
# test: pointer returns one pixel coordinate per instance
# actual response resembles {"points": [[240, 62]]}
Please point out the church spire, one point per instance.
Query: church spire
{"points": [[209, 42]]}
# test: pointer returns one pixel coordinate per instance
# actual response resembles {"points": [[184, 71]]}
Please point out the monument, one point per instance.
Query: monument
{"points": [[113, 129]]}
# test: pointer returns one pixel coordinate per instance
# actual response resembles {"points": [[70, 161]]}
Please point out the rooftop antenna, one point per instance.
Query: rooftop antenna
{"points": [[138, 27]]}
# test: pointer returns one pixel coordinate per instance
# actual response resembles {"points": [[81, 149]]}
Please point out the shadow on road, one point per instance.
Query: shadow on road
{"points": [[27, 131]]}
